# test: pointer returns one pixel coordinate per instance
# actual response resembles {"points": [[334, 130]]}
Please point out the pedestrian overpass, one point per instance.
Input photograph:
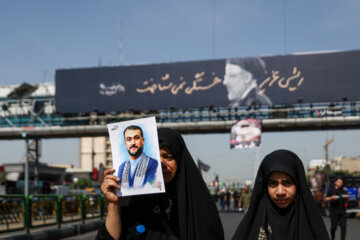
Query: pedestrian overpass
{"points": [[36, 117]]}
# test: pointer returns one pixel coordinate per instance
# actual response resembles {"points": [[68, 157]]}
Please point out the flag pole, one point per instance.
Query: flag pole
{"points": [[199, 166]]}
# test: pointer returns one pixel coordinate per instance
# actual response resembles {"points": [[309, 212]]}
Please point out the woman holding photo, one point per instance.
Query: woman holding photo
{"points": [[185, 211]]}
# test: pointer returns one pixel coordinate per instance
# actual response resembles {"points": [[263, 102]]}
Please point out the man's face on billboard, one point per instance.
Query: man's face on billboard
{"points": [[236, 80], [134, 142]]}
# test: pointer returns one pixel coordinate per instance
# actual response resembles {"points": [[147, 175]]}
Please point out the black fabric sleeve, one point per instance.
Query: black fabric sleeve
{"points": [[330, 193], [103, 233]]}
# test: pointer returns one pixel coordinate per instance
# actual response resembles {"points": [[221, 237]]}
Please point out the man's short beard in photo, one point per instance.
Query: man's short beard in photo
{"points": [[137, 153]]}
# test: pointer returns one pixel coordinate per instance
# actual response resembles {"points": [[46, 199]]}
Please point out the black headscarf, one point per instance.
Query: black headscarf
{"points": [[301, 220], [197, 212]]}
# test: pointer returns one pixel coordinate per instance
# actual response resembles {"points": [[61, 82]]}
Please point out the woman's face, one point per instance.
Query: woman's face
{"points": [[168, 164], [281, 189]]}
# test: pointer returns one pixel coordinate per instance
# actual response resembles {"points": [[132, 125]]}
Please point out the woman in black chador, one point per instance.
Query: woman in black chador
{"points": [[185, 211], [281, 206]]}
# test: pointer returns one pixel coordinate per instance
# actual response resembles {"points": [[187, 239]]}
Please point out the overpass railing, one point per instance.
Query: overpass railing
{"points": [[42, 112], [18, 212]]}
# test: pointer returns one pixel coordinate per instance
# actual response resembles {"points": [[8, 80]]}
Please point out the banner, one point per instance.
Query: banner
{"points": [[261, 81], [318, 181], [246, 134]]}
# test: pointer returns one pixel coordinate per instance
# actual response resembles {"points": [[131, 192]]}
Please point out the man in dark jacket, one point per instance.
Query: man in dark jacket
{"points": [[337, 197]]}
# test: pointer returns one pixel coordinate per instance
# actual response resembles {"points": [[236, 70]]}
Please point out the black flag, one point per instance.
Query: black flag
{"points": [[203, 166]]}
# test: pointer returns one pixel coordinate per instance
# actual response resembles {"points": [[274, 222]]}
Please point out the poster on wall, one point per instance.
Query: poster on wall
{"points": [[136, 156], [246, 133]]}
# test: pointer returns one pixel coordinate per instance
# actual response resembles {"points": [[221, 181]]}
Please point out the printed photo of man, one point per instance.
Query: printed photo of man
{"points": [[246, 133], [139, 168]]}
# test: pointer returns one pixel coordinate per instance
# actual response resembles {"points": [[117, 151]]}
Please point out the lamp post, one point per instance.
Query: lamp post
{"points": [[326, 150], [26, 171], [26, 185]]}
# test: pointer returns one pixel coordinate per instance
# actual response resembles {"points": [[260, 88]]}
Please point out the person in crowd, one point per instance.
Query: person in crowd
{"points": [[222, 199], [319, 199], [139, 169], [282, 206], [185, 211], [244, 201], [216, 195], [337, 197], [228, 199], [236, 197]]}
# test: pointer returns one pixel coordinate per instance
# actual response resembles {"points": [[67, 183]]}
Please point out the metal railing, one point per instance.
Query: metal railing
{"points": [[18, 212], [41, 111], [12, 212]]}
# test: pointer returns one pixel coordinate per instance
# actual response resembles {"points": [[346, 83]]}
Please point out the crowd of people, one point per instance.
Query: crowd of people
{"points": [[236, 199], [280, 205]]}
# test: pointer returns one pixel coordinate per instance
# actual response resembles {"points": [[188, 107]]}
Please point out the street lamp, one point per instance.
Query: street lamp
{"points": [[26, 171]]}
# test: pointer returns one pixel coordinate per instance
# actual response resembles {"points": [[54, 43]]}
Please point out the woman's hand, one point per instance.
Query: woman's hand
{"points": [[109, 186]]}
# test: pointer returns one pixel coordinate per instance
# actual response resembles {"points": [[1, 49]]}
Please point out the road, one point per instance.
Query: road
{"points": [[231, 220]]}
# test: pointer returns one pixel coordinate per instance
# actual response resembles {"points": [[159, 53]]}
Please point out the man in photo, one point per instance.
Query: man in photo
{"points": [[139, 169], [241, 76], [245, 133]]}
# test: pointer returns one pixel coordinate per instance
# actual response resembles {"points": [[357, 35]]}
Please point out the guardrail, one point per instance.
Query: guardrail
{"points": [[18, 212], [39, 112], [12, 211]]}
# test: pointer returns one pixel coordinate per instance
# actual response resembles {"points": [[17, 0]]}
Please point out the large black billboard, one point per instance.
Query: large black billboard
{"points": [[289, 79]]}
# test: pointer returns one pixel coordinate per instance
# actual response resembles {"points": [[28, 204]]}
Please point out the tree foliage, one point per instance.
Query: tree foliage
{"points": [[2, 177], [82, 183]]}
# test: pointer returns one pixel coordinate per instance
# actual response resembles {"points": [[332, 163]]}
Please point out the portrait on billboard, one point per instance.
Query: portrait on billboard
{"points": [[241, 81], [249, 82], [136, 156], [246, 133]]}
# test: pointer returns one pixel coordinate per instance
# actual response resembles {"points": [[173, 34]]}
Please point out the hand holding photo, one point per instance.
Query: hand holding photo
{"points": [[136, 156]]}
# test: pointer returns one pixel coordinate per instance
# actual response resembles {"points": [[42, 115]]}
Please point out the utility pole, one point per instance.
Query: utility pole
{"points": [[26, 170], [213, 30], [120, 44], [92, 157], [326, 150], [34, 155]]}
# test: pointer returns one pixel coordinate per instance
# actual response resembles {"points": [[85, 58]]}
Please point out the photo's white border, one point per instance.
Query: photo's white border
{"points": [[151, 148]]}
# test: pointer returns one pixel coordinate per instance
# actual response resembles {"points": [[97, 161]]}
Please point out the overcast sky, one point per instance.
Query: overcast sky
{"points": [[38, 37]]}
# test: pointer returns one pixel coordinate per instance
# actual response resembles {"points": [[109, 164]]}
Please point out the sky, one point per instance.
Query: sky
{"points": [[40, 36]]}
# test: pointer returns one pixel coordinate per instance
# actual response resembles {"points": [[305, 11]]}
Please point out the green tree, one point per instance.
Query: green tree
{"points": [[82, 183], [2, 177]]}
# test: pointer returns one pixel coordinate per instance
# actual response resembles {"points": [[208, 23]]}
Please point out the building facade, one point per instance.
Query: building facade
{"points": [[349, 164], [95, 151]]}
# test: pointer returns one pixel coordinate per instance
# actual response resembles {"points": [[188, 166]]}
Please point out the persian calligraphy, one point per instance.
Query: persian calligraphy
{"points": [[111, 90], [197, 84], [291, 83]]}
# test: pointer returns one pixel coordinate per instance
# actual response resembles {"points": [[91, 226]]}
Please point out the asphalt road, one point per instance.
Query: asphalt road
{"points": [[231, 220]]}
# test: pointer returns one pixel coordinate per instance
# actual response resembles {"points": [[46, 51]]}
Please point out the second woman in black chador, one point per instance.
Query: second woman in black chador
{"points": [[281, 206]]}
